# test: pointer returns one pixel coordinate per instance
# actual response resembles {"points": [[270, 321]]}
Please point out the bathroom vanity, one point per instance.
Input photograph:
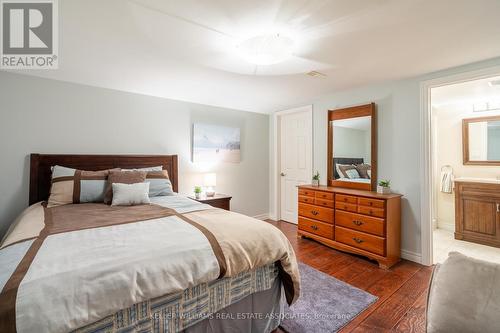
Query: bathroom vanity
{"points": [[477, 210]]}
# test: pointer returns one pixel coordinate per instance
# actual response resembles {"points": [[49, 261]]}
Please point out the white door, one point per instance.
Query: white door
{"points": [[295, 159]]}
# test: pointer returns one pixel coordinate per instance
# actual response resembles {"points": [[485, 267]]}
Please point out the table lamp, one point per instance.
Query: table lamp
{"points": [[209, 181]]}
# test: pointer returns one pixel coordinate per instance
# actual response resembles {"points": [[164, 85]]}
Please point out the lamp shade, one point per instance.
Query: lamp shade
{"points": [[209, 179]]}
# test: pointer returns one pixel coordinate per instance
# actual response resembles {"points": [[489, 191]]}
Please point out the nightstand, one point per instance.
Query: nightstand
{"points": [[218, 201]]}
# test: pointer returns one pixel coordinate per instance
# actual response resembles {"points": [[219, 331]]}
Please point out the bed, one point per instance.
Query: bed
{"points": [[348, 160], [175, 265]]}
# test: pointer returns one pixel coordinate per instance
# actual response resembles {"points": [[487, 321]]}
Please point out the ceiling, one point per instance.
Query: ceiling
{"points": [[467, 94], [185, 50]]}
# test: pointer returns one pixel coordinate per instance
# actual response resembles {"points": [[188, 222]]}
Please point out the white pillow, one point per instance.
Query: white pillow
{"points": [[130, 194], [352, 173]]}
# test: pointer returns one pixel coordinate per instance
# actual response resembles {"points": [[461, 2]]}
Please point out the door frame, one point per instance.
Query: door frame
{"points": [[427, 202], [275, 180]]}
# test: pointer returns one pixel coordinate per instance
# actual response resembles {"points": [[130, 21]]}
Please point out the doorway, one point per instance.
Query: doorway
{"points": [[447, 102], [294, 156]]}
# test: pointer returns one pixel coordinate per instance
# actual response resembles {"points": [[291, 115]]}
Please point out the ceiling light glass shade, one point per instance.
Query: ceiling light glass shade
{"points": [[266, 49]]}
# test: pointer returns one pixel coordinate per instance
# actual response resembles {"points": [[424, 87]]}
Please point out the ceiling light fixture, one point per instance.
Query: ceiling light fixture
{"points": [[266, 50]]}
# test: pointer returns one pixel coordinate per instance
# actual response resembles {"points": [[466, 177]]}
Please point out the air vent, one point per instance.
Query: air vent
{"points": [[316, 74]]}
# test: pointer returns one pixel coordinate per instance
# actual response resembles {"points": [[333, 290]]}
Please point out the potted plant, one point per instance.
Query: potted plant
{"points": [[315, 180], [197, 192], [384, 186]]}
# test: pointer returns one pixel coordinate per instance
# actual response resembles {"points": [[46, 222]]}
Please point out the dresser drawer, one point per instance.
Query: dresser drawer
{"points": [[346, 198], [324, 203], [316, 212], [324, 195], [378, 212], [303, 198], [360, 240], [371, 225], [307, 193], [316, 227], [371, 202], [346, 206]]}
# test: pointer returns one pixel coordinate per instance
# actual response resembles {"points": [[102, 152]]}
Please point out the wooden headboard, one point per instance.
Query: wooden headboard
{"points": [[40, 172]]}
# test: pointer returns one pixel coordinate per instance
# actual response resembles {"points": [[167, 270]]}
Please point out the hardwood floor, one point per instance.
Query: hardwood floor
{"points": [[402, 290]]}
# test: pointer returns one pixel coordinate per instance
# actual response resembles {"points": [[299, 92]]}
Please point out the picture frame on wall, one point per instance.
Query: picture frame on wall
{"points": [[214, 143]]}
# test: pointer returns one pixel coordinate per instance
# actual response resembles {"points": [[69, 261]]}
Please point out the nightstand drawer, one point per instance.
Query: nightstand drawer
{"points": [[315, 227], [218, 201], [371, 225], [316, 212]]}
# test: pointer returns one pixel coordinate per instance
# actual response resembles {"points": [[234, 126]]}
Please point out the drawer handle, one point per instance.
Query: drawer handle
{"points": [[498, 207], [314, 212], [357, 240], [371, 211], [370, 203], [345, 199], [313, 227], [358, 223]]}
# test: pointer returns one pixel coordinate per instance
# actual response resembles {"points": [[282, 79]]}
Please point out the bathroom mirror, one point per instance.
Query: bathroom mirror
{"points": [[481, 141], [352, 147]]}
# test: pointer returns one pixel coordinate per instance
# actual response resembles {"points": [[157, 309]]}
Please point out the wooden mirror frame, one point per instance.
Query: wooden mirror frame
{"points": [[465, 140], [346, 113]]}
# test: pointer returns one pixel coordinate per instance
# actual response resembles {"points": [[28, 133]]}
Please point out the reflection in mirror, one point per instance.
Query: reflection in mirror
{"points": [[484, 141], [351, 149]]}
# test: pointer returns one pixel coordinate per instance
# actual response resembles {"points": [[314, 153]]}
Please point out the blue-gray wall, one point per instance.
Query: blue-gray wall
{"points": [[48, 116]]}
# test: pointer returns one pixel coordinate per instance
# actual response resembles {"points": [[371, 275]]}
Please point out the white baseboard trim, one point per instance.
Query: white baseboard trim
{"points": [[264, 216], [411, 256]]}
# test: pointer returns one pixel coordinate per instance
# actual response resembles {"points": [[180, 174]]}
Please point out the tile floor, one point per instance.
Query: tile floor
{"points": [[444, 242]]}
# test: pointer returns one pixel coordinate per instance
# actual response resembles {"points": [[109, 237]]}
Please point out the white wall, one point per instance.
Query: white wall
{"points": [[398, 109], [448, 151], [46, 116]]}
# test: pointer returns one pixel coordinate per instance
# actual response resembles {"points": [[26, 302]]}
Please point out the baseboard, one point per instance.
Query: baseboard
{"points": [[411, 256], [264, 216]]}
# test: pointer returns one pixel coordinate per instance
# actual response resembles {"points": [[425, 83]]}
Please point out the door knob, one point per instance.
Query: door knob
{"points": [[283, 174]]}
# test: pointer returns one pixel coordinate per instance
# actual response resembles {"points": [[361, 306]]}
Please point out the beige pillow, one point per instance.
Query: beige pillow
{"points": [[123, 177]]}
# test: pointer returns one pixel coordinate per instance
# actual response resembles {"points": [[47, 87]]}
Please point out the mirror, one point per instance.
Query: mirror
{"points": [[351, 149], [481, 141]]}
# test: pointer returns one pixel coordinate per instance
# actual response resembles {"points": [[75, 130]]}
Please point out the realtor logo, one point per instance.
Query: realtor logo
{"points": [[29, 34]]}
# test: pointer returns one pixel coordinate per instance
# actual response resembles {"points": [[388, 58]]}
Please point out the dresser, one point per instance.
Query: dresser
{"points": [[356, 221], [477, 212]]}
